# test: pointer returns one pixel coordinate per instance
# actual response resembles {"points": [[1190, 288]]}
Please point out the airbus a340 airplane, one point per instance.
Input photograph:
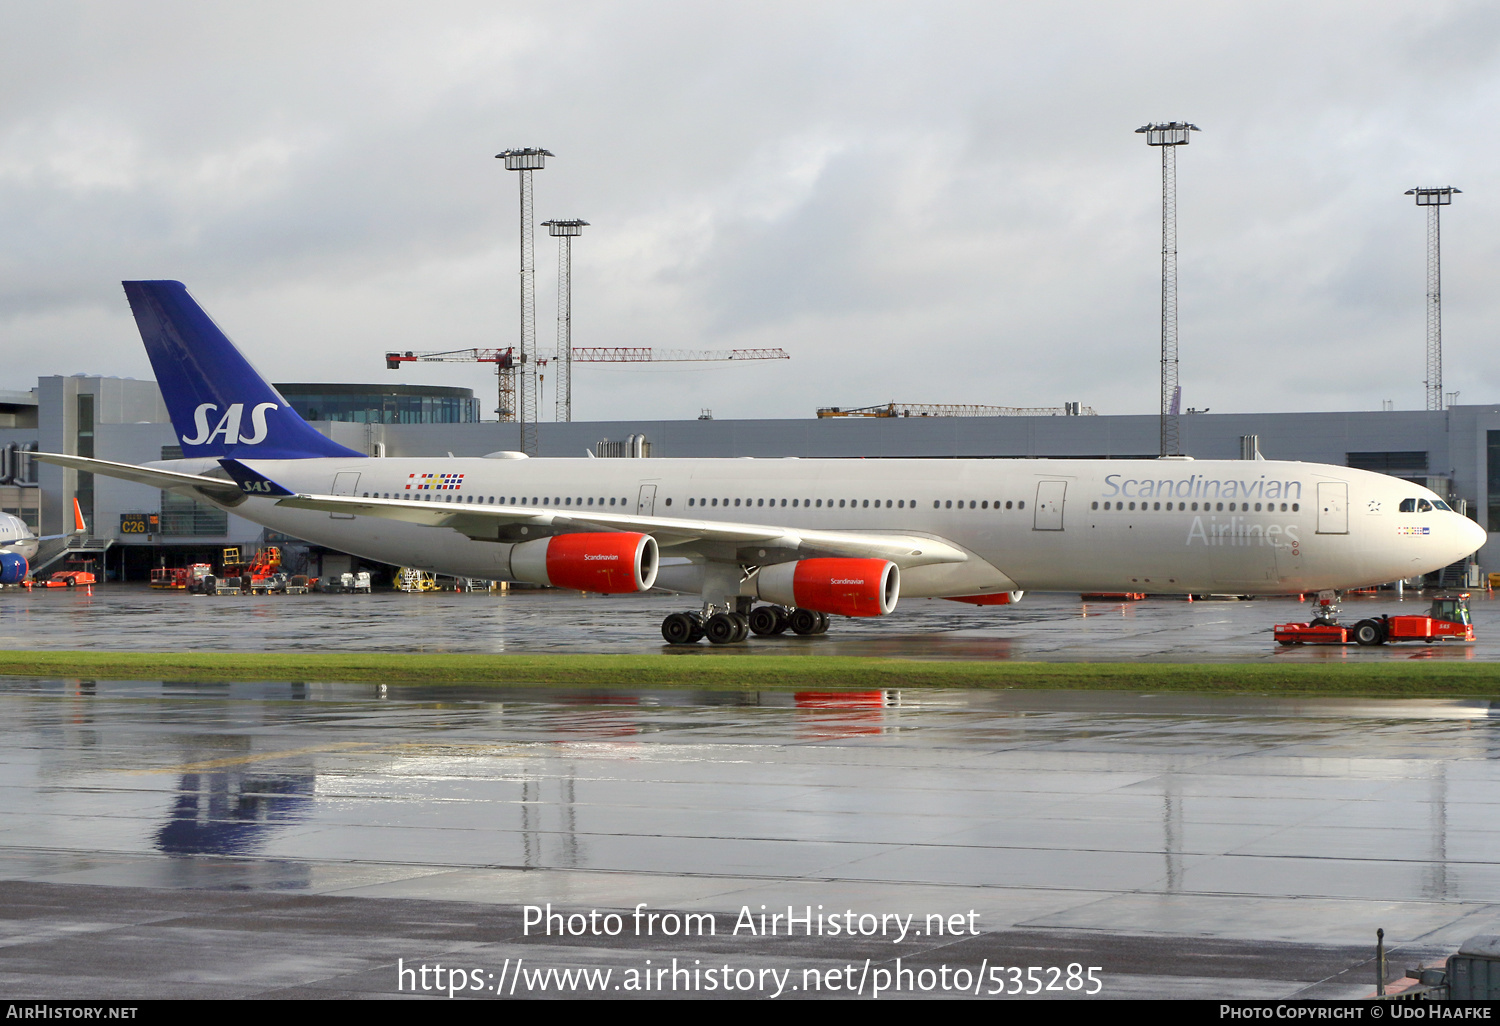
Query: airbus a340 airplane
{"points": [[805, 537]]}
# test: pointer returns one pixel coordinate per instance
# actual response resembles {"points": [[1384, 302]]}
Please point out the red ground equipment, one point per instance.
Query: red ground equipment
{"points": [[1446, 620], [256, 574], [64, 579], [170, 578]]}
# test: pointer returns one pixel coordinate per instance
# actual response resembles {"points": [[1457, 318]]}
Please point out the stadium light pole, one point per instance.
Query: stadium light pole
{"points": [[1169, 136], [527, 160], [1434, 200], [565, 232]]}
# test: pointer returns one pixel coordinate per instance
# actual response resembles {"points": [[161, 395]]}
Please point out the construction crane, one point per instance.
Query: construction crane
{"points": [[506, 364], [646, 354], [503, 359], [956, 410]]}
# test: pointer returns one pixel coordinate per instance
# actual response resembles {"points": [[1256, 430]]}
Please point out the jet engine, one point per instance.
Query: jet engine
{"points": [[13, 568], [610, 562], [845, 587], [999, 598]]}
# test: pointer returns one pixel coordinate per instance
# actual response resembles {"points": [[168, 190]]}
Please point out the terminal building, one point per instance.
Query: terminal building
{"points": [[132, 528]]}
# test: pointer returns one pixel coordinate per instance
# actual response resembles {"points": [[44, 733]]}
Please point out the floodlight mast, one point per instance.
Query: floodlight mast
{"points": [[1169, 136], [565, 232], [1434, 200], [527, 160]]}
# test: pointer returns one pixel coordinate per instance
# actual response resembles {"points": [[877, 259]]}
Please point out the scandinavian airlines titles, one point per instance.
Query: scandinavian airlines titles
{"points": [[1195, 487]]}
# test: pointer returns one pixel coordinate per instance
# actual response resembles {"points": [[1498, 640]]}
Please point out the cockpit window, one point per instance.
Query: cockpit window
{"points": [[1440, 504], [1408, 505], [1423, 506]]}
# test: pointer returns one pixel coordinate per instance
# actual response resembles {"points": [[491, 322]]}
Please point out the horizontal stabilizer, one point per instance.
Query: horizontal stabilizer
{"points": [[215, 488], [253, 482]]}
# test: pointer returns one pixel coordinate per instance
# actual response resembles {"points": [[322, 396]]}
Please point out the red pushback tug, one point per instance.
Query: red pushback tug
{"points": [[1446, 620]]}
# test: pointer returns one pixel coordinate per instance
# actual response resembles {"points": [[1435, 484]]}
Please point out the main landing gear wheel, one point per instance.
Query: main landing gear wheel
{"points": [[1369, 632], [766, 620], [806, 622], [682, 628], [727, 628]]}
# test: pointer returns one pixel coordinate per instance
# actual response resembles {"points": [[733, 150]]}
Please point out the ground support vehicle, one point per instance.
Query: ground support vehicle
{"points": [[1446, 620], [255, 574], [65, 579], [170, 578], [410, 579]]}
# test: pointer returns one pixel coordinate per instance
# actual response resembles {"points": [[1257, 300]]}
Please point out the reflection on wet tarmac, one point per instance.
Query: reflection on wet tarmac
{"points": [[230, 813], [1231, 817]]}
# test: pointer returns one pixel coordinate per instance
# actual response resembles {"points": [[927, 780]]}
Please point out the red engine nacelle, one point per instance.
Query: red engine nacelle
{"points": [[1000, 598], [612, 563], [845, 587]]}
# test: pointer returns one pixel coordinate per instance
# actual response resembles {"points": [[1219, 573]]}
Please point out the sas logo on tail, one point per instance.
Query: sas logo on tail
{"points": [[229, 424]]}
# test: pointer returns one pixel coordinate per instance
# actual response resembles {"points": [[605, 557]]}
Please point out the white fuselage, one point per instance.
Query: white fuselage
{"points": [[16, 537], [1156, 526]]}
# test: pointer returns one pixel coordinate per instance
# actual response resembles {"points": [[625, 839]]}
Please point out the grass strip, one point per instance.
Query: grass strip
{"points": [[706, 668]]}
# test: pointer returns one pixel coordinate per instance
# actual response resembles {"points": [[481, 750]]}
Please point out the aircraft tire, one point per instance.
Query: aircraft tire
{"points": [[806, 622], [679, 629], [722, 629], [823, 623], [767, 620]]}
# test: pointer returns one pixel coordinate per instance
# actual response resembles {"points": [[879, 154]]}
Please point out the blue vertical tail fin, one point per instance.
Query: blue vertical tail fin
{"points": [[218, 403]]}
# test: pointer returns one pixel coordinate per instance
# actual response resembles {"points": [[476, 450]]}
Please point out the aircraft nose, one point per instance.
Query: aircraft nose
{"points": [[1472, 537]]}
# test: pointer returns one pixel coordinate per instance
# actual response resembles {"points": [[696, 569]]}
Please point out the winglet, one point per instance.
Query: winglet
{"points": [[252, 482], [78, 525]]}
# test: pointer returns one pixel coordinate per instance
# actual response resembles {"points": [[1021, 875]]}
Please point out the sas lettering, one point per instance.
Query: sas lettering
{"points": [[228, 426]]}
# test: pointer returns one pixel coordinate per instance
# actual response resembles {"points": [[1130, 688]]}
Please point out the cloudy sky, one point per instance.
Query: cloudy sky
{"points": [[921, 202]]}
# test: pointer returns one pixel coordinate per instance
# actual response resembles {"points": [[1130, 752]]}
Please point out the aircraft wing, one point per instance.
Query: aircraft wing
{"points": [[711, 539], [215, 487]]}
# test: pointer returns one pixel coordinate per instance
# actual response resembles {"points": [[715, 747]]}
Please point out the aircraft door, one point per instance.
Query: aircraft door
{"points": [[646, 505], [344, 484], [1049, 505], [1333, 507]]}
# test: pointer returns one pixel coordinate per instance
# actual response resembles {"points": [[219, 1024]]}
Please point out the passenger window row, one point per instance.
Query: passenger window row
{"points": [[709, 502], [975, 504], [808, 503], [1208, 507], [492, 500]]}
